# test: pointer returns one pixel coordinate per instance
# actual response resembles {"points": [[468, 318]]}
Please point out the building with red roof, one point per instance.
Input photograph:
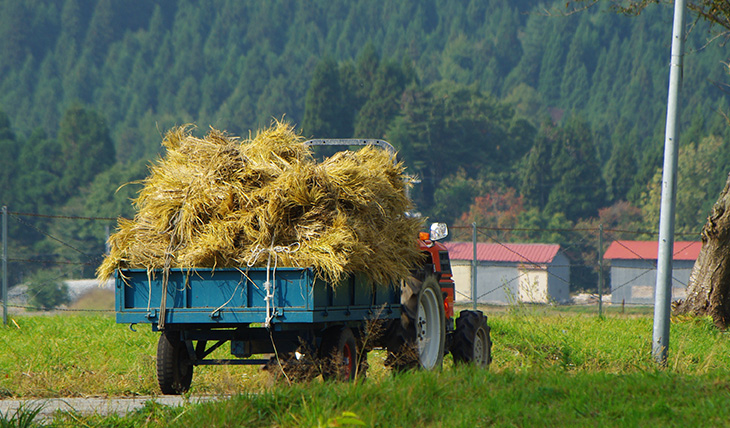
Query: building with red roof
{"points": [[633, 269], [506, 273]]}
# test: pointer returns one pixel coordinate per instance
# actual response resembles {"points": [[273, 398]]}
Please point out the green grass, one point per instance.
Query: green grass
{"points": [[552, 366]]}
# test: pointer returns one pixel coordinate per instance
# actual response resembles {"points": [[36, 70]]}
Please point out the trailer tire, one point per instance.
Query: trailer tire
{"points": [[339, 355], [472, 343], [174, 369], [420, 337]]}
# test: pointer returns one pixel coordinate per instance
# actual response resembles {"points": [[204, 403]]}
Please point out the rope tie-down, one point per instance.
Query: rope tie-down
{"points": [[270, 284]]}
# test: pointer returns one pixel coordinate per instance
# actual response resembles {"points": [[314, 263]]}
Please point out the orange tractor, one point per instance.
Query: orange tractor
{"points": [[294, 315]]}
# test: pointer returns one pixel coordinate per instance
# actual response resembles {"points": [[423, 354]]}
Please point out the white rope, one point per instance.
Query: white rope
{"points": [[149, 290], [270, 284]]}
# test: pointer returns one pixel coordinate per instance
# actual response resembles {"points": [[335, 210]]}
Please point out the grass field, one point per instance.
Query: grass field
{"points": [[552, 366]]}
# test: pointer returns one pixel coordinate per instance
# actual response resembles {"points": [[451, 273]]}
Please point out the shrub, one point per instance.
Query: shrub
{"points": [[47, 291]]}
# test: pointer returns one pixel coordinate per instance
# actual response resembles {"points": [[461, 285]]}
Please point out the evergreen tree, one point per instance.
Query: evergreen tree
{"points": [[368, 63], [15, 34], [324, 115], [383, 103], [579, 191], [8, 162], [650, 161], [560, 174], [527, 70], [447, 126], [38, 180], [537, 178], [101, 32], [575, 86], [86, 148], [620, 169]]}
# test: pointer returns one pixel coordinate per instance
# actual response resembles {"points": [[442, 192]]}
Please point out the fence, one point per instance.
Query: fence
{"points": [[76, 245], [34, 279], [504, 272]]}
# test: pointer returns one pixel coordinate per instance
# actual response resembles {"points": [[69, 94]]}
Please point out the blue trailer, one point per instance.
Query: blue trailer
{"points": [[281, 315]]}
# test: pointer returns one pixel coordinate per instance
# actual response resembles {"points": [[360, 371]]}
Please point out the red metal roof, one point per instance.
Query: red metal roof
{"points": [[532, 253], [647, 250]]}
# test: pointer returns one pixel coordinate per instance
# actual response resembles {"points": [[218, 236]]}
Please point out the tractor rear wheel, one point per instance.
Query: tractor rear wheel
{"points": [[472, 343], [174, 368], [420, 337]]}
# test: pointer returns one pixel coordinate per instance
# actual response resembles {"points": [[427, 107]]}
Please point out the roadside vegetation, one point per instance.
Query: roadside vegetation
{"points": [[557, 366]]}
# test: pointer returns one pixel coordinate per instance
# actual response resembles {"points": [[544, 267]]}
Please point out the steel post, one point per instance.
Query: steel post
{"points": [[663, 291], [600, 270], [5, 265], [474, 266]]}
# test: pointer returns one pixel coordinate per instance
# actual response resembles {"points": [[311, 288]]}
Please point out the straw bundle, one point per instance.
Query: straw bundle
{"points": [[222, 202]]}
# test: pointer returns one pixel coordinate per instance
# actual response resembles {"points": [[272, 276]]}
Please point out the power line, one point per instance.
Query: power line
{"points": [[38, 308], [55, 239], [67, 217]]}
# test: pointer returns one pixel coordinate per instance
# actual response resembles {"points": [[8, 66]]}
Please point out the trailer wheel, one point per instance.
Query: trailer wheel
{"points": [[174, 370], [420, 337], [293, 368], [472, 343], [339, 355]]}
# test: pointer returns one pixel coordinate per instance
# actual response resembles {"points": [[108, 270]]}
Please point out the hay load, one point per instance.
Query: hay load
{"points": [[222, 202]]}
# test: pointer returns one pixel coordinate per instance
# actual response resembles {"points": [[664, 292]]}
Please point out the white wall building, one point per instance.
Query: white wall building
{"points": [[508, 273], [633, 270]]}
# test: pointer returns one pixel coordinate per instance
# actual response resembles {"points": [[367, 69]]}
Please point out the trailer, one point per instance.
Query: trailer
{"points": [[277, 313]]}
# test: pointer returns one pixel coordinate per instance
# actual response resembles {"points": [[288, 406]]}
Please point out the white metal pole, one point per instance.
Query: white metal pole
{"points": [[663, 291]]}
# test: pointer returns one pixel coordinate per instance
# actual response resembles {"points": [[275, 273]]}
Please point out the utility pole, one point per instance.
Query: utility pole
{"points": [[600, 270], [5, 265], [474, 265], [663, 291]]}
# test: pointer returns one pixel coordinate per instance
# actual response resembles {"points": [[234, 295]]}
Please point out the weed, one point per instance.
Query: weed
{"points": [[346, 419], [23, 417]]}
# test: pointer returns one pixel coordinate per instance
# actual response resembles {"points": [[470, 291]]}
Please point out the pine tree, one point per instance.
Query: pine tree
{"points": [[537, 178], [579, 190], [620, 168], [10, 149], [382, 104], [86, 148], [323, 110]]}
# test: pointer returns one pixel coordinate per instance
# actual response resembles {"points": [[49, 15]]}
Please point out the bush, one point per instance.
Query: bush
{"points": [[47, 291]]}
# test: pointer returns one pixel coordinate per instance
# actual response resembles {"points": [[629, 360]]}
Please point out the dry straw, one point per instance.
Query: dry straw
{"points": [[221, 202]]}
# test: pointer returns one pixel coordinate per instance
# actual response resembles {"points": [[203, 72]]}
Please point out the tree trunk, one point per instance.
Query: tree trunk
{"points": [[708, 291]]}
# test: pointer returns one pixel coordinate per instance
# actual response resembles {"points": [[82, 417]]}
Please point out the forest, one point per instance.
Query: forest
{"points": [[512, 114]]}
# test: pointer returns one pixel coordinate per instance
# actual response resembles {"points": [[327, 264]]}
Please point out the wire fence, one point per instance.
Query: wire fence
{"points": [[506, 272], [39, 276], [47, 261]]}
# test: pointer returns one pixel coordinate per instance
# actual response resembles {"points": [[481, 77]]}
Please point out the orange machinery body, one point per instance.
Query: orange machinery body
{"points": [[438, 262]]}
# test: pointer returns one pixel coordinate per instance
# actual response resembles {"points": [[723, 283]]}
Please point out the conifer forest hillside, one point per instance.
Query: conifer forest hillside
{"points": [[513, 114]]}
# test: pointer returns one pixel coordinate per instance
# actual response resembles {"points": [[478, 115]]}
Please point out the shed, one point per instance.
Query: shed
{"points": [[633, 269], [507, 273]]}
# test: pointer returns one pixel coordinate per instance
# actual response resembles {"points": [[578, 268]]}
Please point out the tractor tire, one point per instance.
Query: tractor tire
{"points": [[420, 337], [174, 368], [339, 355], [472, 343]]}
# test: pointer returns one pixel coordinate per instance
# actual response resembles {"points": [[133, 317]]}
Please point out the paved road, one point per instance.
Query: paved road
{"points": [[92, 405]]}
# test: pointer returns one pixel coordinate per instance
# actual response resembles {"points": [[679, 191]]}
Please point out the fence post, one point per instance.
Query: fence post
{"points": [[5, 265], [474, 265], [600, 270]]}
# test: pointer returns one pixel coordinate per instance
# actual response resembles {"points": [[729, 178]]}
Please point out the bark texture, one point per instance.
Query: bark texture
{"points": [[709, 284]]}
